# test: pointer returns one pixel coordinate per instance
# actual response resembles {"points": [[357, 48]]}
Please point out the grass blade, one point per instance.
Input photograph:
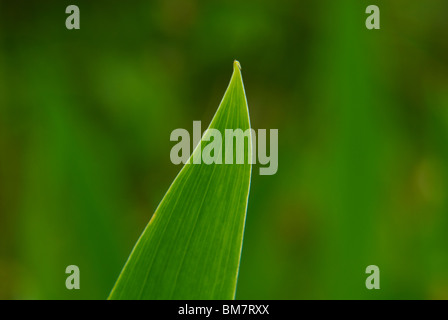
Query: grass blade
{"points": [[191, 247]]}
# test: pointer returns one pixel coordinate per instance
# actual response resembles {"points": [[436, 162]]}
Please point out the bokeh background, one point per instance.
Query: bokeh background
{"points": [[86, 115]]}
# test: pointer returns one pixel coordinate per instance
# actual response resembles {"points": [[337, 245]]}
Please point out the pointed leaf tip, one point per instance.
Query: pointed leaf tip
{"points": [[236, 64], [191, 247]]}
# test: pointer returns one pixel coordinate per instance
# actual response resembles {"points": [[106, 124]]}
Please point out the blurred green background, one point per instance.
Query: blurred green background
{"points": [[86, 115]]}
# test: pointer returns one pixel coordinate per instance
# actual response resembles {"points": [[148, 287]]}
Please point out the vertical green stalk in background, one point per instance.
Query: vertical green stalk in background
{"points": [[66, 215], [191, 247], [352, 180]]}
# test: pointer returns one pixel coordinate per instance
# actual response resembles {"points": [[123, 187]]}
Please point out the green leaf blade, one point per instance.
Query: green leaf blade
{"points": [[191, 247]]}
